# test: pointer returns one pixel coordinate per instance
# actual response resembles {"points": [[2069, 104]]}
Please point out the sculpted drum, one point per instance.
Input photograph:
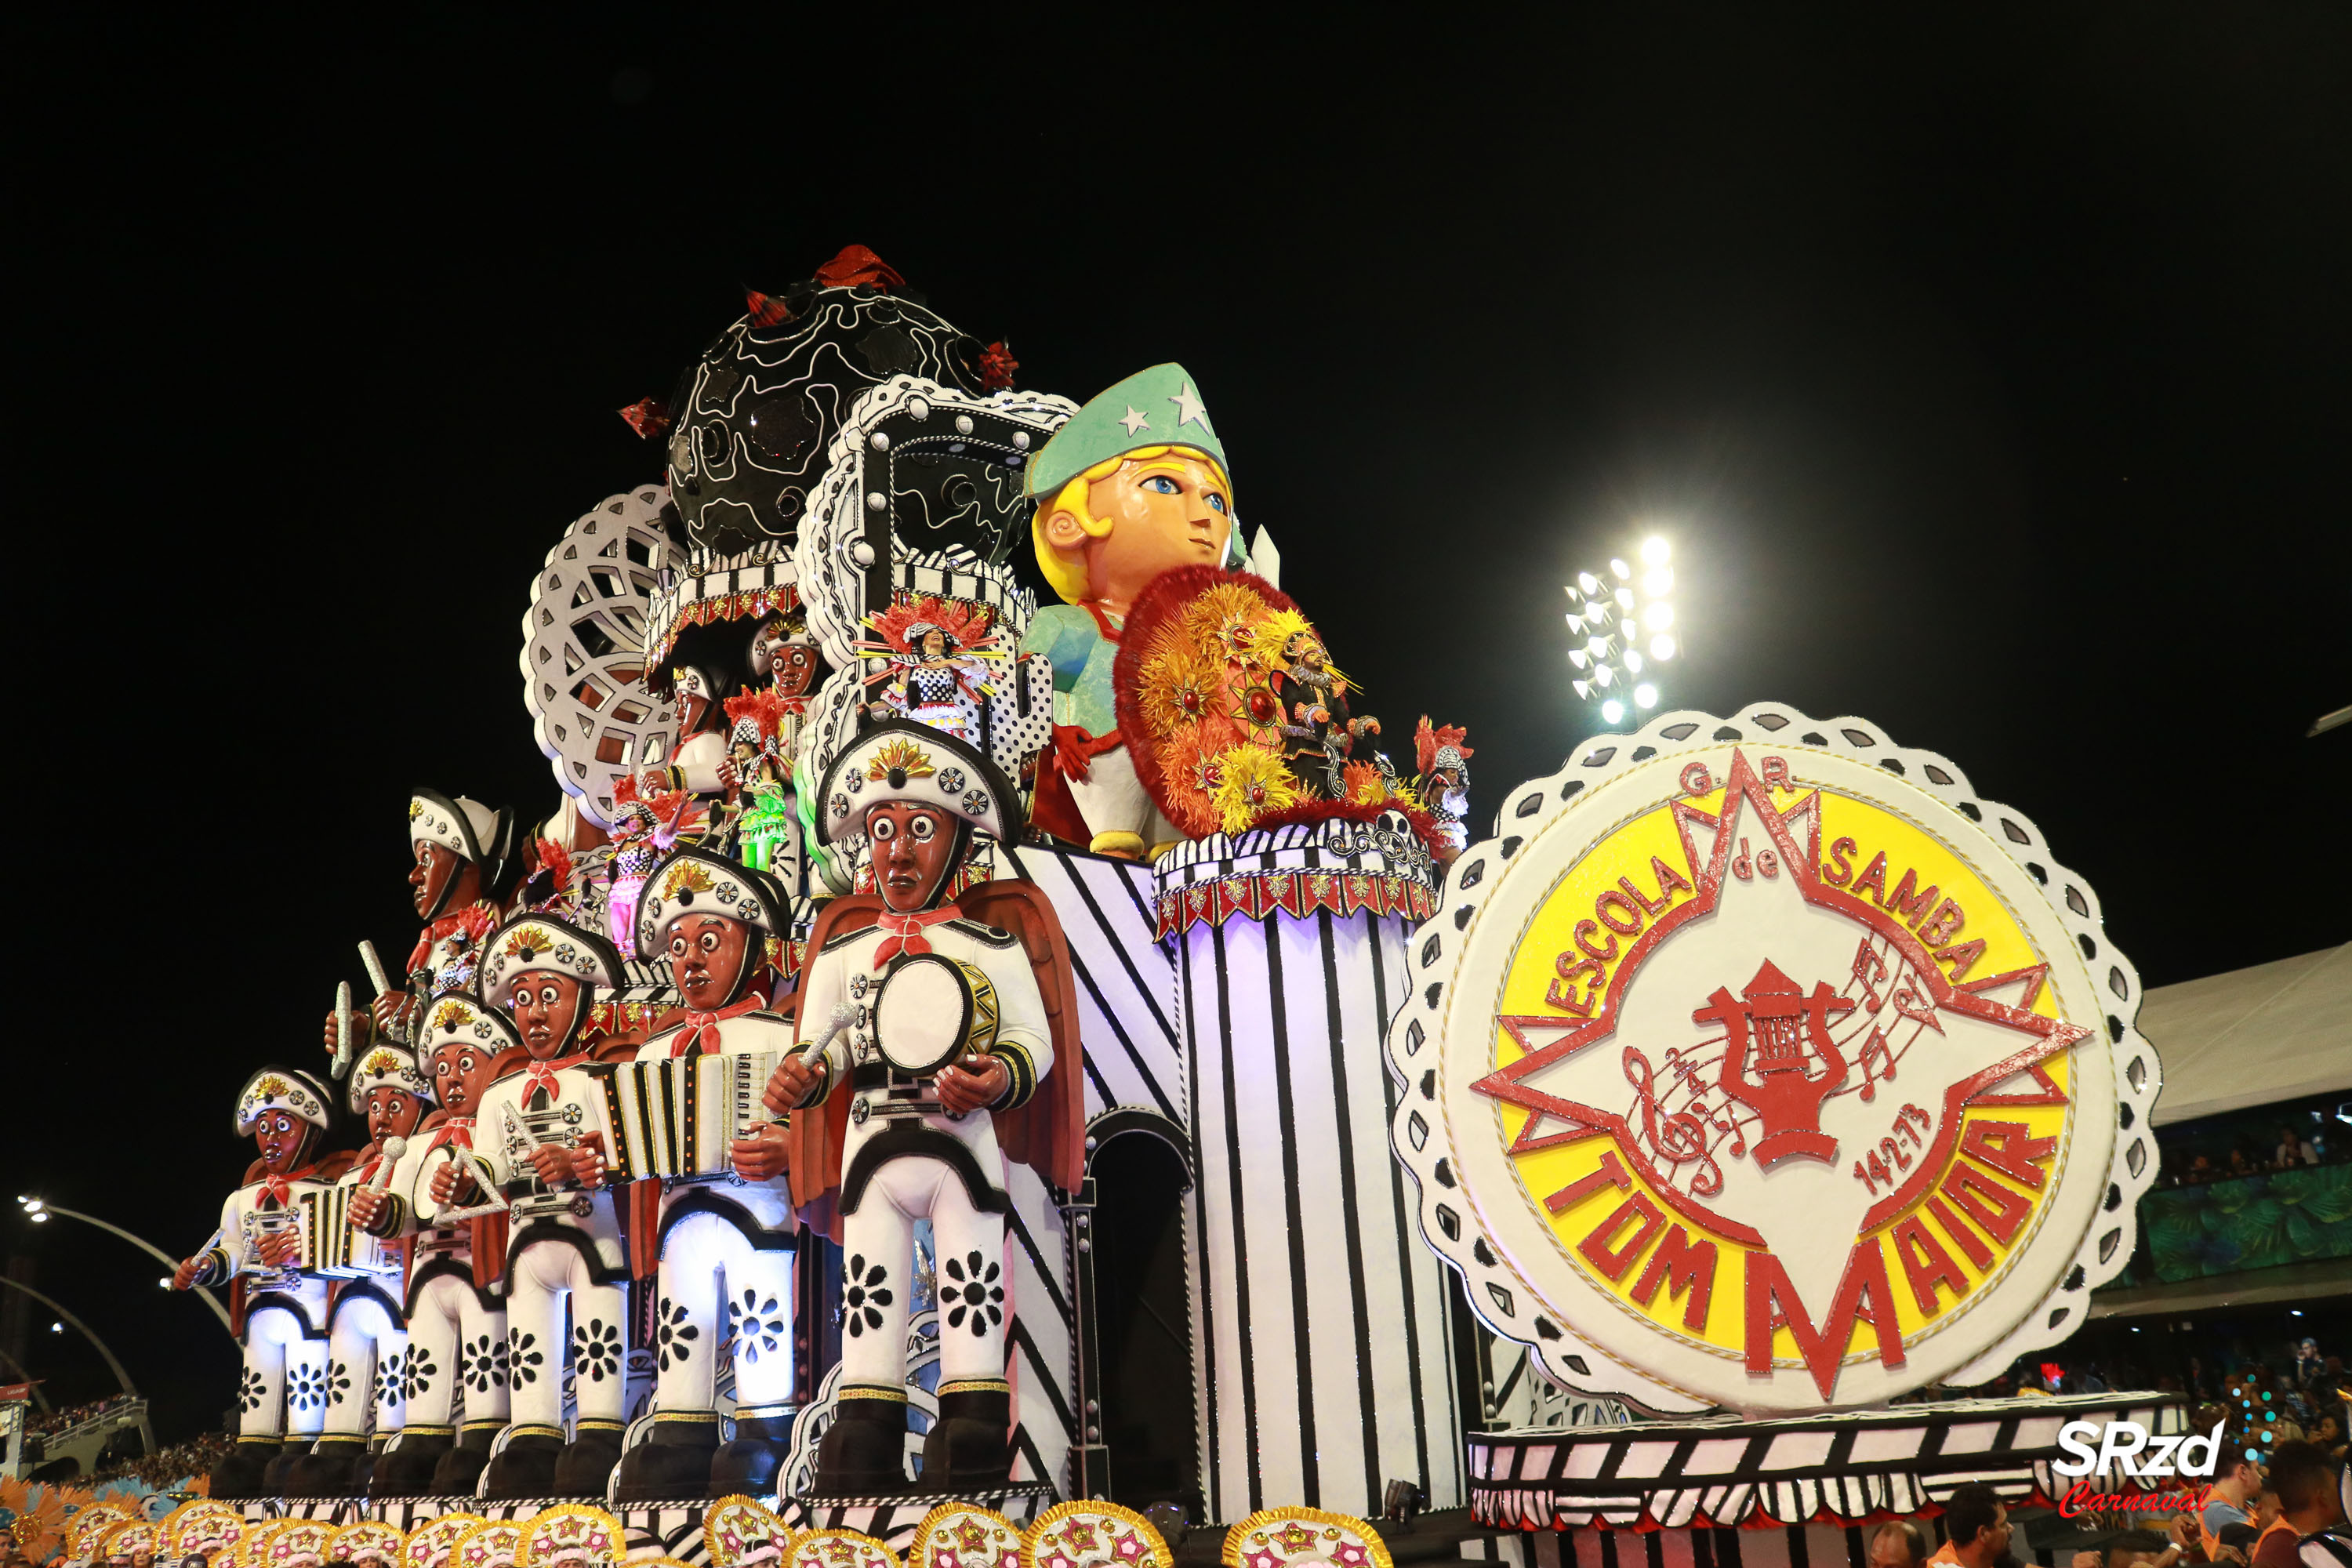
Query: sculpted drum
{"points": [[1759, 1063], [931, 1010]]}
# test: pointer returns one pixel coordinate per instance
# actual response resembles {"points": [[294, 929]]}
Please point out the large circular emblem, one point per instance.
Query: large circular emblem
{"points": [[1757, 1063]]}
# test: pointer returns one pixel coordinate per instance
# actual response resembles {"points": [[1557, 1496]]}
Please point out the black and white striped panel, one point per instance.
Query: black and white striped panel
{"points": [[1040, 1337], [1299, 1222], [1126, 983]]}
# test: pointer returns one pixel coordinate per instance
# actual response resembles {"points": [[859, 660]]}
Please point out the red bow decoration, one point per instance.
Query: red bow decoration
{"points": [[542, 1075], [907, 931], [646, 417], [858, 265], [996, 367], [279, 1190], [690, 1039]]}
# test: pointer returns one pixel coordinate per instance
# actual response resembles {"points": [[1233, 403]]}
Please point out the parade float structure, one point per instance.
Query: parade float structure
{"points": [[1632, 1068]]}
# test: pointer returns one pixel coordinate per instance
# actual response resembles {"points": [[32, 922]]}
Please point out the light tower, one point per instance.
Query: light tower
{"points": [[1620, 623]]}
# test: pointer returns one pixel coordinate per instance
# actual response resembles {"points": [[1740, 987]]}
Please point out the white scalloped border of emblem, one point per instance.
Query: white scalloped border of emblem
{"points": [[1570, 1360]]}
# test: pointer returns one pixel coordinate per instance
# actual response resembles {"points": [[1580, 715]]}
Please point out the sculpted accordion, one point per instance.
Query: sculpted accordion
{"points": [[676, 1118], [321, 1216], [331, 1245]]}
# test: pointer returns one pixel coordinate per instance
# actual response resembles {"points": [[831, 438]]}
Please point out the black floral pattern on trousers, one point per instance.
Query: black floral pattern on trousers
{"points": [[596, 1348], [674, 1340], [866, 1293], [974, 1294]]}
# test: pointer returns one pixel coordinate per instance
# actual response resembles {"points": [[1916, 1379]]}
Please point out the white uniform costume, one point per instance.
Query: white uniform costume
{"points": [[367, 1331], [963, 988], [457, 1329], [724, 1279], [566, 1269], [727, 1249], [283, 1394], [905, 1160]]}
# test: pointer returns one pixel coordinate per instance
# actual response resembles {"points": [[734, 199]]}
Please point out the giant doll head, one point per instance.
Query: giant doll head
{"points": [[391, 1091], [916, 796], [709, 919], [544, 974], [461, 846], [1134, 485], [288, 1114]]}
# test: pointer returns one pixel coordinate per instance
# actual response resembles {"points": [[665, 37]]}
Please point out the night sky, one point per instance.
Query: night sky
{"points": [[1986, 368]]}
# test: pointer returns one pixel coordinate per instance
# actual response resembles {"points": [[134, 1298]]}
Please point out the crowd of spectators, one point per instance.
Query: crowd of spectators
{"points": [[197, 1456], [73, 1415], [2289, 1514], [2292, 1149]]}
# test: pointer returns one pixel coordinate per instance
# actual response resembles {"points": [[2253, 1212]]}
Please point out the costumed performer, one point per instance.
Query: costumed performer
{"points": [[1133, 485], [940, 1034]]}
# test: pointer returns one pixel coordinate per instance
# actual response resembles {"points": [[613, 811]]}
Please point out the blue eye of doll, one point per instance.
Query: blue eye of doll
{"points": [[1161, 483]]}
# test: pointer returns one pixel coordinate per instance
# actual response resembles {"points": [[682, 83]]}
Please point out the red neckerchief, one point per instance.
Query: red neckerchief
{"points": [[1102, 623], [423, 952], [906, 930], [279, 1190], [542, 1075], [690, 1041], [455, 1130]]}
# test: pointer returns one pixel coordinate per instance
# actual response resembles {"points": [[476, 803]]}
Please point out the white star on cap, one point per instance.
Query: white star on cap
{"points": [[1135, 421], [1188, 408]]}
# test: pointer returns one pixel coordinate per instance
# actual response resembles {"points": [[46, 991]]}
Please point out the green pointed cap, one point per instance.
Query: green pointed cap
{"points": [[1155, 407]]}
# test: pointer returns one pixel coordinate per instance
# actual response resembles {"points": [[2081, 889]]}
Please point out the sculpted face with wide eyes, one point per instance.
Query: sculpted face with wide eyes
{"points": [[708, 958], [913, 846], [546, 1009]]}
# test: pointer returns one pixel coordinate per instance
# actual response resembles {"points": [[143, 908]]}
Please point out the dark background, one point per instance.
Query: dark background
{"points": [[1986, 367]]}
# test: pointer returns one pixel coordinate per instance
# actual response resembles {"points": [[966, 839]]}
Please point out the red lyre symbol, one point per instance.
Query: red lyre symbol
{"points": [[1776, 1038]]}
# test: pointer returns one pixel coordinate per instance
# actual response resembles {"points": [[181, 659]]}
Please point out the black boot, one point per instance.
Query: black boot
{"points": [[240, 1474], [461, 1467], [751, 1461], [968, 1448], [525, 1467], [406, 1469], [280, 1468], [863, 1452], [329, 1470], [674, 1460], [587, 1463]]}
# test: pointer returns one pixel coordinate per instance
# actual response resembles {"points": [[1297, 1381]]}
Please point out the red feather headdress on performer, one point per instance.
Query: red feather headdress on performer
{"points": [[766, 709], [971, 631], [666, 815], [1427, 741]]}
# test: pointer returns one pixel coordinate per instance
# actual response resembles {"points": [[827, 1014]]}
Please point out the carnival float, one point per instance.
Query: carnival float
{"points": [[731, 1170]]}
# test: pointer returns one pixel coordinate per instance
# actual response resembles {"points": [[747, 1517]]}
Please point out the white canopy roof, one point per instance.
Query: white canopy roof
{"points": [[2251, 1037]]}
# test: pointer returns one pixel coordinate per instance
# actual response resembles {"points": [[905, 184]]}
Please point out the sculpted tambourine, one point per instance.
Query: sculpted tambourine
{"points": [[1761, 1063], [932, 1009]]}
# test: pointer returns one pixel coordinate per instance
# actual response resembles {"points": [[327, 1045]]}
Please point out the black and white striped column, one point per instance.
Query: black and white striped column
{"points": [[1321, 1338]]}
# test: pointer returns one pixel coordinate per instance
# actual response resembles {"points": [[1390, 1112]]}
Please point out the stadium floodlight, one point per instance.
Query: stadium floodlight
{"points": [[1609, 614]]}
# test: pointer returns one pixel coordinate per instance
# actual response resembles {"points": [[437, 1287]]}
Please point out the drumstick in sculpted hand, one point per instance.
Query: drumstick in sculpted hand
{"points": [[843, 1015]]}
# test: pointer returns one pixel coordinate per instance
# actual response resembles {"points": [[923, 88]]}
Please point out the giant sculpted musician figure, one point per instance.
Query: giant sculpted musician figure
{"points": [[935, 1044], [282, 1304], [1132, 486], [725, 1246]]}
